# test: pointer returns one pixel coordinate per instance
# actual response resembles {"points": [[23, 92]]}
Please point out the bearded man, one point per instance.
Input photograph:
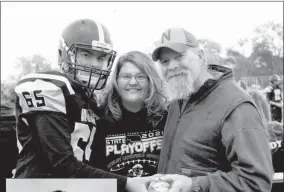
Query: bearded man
{"points": [[214, 138]]}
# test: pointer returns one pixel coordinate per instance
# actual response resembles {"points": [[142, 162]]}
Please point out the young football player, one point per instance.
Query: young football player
{"points": [[56, 111]]}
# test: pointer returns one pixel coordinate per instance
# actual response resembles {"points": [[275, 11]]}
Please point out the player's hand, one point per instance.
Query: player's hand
{"points": [[138, 184], [179, 183]]}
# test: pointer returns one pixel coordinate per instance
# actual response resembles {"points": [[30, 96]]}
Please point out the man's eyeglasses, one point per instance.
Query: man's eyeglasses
{"points": [[125, 78]]}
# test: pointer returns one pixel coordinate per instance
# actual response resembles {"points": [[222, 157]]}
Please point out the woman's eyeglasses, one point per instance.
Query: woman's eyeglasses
{"points": [[125, 78]]}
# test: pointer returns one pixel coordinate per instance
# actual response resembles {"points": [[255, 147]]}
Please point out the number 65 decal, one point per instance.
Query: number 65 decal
{"points": [[40, 102]]}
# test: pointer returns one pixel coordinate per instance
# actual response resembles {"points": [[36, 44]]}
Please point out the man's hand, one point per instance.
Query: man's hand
{"points": [[179, 183]]}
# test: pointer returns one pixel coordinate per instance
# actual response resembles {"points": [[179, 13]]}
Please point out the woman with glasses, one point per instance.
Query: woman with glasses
{"points": [[129, 135]]}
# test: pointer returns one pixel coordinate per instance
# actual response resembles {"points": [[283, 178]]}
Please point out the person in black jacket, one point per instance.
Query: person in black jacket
{"points": [[128, 138], [8, 140]]}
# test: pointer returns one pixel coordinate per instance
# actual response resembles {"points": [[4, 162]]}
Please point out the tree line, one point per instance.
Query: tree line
{"points": [[265, 59], [266, 52]]}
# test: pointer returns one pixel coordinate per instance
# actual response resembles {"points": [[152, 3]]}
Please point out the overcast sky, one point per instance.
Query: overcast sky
{"points": [[29, 28]]}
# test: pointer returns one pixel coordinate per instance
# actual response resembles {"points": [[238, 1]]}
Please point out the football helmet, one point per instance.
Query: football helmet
{"points": [[136, 171], [87, 35]]}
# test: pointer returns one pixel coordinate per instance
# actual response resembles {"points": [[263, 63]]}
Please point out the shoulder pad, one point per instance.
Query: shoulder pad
{"points": [[43, 92]]}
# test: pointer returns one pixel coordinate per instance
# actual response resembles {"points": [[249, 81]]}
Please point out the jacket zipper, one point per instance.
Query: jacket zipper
{"points": [[186, 108], [189, 105]]}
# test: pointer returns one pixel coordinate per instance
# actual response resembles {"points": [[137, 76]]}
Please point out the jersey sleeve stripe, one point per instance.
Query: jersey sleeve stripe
{"points": [[57, 83], [57, 80], [50, 78], [41, 95]]}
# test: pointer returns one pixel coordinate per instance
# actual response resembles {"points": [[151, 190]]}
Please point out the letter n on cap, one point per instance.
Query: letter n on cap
{"points": [[166, 35]]}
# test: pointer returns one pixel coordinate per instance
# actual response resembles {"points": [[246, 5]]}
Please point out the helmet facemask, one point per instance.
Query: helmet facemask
{"points": [[88, 76]]}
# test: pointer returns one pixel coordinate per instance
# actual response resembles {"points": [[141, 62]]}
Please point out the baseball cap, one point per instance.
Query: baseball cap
{"points": [[177, 39]]}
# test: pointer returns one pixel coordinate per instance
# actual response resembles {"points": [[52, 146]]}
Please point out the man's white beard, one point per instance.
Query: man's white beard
{"points": [[179, 87]]}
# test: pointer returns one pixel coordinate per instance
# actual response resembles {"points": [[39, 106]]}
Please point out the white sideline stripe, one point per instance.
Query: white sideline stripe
{"points": [[55, 77]]}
